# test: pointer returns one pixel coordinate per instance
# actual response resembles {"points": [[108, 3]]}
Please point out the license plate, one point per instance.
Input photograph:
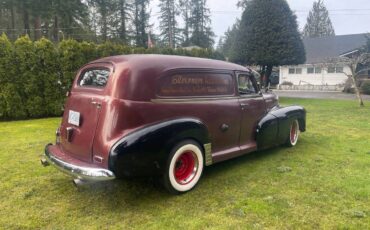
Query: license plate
{"points": [[74, 118]]}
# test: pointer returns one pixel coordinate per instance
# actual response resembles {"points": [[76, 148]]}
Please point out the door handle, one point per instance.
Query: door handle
{"points": [[244, 104], [224, 127], [97, 104]]}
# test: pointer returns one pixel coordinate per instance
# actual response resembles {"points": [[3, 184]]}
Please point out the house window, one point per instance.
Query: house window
{"points": [[331, 69], [312, 70], [336, 69], [295, 70]]}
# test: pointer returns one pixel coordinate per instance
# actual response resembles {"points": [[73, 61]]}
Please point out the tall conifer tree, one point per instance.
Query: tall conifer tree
{"points": [[318, 22], [185, 6], [141, 22], [124, 15], [268, 36], [200, 21], [170, 33]]}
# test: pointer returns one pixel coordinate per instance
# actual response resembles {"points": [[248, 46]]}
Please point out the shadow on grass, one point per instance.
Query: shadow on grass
{"points": [[228, 165], [141, 193]]}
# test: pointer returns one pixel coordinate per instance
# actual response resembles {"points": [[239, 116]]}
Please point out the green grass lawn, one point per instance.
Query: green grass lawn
{"points": [[323, 182]]}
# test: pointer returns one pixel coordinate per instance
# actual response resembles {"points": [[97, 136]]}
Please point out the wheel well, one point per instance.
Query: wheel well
{"points": [[192, 139], [302, 125]]}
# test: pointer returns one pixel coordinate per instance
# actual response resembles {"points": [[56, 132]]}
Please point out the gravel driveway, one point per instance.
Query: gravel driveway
{"points": [[319, 95]]}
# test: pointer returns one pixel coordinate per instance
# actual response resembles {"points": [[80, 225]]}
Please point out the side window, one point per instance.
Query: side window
{"points": [[196, 85], [94, 78], [246, 85]]}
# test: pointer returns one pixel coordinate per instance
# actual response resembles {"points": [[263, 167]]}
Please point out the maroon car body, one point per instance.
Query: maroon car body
{"points": [[131, 115]]}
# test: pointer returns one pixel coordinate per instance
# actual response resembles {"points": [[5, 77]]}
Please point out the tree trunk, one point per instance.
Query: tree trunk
{"points": [[267, 75], [262, 72], [12, 15], [170, 25], [186, 32], [123, 21], [56, 29], [37, 26], [26, 22], [104, 23], [354, 77]]}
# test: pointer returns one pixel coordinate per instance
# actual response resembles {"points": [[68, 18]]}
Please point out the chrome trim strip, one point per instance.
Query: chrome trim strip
{"points": [[208, 153], [84, 173]]}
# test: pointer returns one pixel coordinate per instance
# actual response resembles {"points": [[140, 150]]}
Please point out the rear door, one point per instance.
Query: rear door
{"points": [[82, 110], [253, 108]]}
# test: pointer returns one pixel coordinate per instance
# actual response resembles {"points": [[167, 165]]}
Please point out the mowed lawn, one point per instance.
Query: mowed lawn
{"points": [[322, 183]]}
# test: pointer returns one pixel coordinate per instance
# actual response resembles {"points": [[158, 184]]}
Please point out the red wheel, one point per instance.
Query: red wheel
{"points": [[293, 133], [184, 168]]}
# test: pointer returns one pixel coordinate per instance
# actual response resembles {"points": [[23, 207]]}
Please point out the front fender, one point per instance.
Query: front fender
{"points": [[273, 129], [144, 152]]}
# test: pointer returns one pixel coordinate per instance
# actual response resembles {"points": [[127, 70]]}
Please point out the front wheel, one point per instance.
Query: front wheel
{"points": [[184, 167], [293, 133]]}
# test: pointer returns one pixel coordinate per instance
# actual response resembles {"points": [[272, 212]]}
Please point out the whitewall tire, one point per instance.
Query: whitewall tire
{"points": [[293, 133], [184, 167]]}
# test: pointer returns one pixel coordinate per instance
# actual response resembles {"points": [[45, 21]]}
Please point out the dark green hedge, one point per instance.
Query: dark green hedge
{"points": [[365, 88], [35, 76]]}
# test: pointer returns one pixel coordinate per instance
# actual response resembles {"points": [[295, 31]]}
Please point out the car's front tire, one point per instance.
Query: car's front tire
{"points": [[293, 133], [184, 167]]}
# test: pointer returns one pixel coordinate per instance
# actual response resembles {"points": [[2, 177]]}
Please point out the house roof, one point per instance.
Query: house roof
{"points": [[318, 50]]}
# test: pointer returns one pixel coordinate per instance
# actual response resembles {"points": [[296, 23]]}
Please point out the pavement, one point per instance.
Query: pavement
{"points": [[319, 95]]}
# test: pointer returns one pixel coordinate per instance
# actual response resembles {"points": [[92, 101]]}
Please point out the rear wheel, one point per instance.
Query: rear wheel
{"points": [[184, 167], [293, 133]]}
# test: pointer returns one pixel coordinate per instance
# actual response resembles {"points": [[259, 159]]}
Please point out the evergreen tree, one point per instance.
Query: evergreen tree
{"points": [[229, 39], [170, 33], [69, 19], [124, 15], [202, 34], [141, 22], [318, 22], [104, 10], [242, 3], [37, 18], [185, 6], [268, 36]]}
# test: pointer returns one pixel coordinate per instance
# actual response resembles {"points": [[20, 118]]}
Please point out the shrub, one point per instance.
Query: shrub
{"points": [[287, 83], [365, 88], [6, 72], [35, 76]]}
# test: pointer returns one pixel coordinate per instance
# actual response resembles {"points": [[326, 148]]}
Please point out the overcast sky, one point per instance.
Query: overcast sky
{"points": [[348, 17]]}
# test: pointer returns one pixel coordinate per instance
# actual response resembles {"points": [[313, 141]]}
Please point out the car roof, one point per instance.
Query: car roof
{"points": [[167, 62]]}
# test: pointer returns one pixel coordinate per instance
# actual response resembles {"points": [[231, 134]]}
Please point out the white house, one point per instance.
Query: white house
{"points": [[317, 73]]}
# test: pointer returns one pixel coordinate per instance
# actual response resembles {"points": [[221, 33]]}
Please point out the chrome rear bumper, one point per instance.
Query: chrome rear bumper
{"points": [[83, 173]]}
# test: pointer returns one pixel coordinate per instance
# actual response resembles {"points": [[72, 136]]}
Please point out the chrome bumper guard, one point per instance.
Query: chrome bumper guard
{"points": [[82, 173]]}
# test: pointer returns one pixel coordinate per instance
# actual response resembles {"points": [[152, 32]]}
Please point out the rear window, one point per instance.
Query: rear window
{"points": [[97, 77], [196, 84]]}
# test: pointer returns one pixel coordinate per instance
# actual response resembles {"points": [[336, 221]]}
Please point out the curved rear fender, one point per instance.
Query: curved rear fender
{"points": [[145, 151], [274, 127]]}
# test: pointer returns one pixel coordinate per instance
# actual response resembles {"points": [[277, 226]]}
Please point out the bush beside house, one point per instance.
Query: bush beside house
{"points": [[35, 76], [365, 88]]}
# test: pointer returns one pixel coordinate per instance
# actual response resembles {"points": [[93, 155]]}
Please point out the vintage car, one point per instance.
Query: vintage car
{"points": [[167, 117]]}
